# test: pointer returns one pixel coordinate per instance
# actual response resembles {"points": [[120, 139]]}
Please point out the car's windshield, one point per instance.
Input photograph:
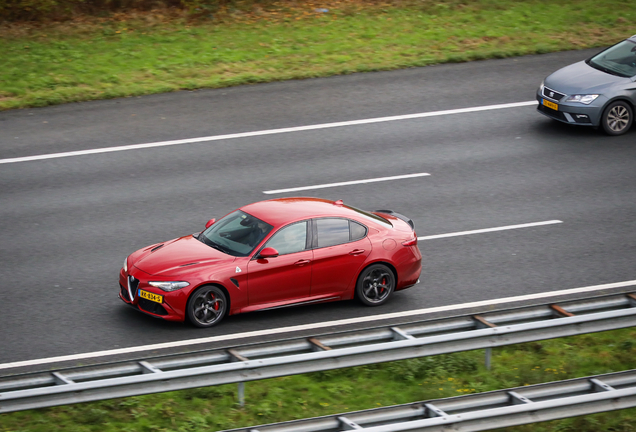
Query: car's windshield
{"points": [[617, 60], [236, 234]]}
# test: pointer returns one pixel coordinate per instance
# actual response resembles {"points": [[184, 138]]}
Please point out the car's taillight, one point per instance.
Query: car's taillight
{"points": [[411, 242]]}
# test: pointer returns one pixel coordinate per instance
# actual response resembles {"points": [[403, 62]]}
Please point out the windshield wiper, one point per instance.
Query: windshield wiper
{"points": [[606, 69], [611, 72], [218, 247]]}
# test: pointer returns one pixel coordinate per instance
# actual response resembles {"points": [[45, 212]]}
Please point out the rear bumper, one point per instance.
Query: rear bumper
{"points": [[410, 286], [409, 271]]}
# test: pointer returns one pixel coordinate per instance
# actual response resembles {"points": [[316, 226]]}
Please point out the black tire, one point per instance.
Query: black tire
{"points": [[375, 284], [206, 306], [617, 118]]}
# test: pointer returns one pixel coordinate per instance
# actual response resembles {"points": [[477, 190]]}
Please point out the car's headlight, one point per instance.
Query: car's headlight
{"points": [[125, 264], [584, 99], [541, 86], [169, 286]]}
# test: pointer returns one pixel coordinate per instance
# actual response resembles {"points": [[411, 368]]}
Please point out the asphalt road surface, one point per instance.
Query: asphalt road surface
{"points": [[67, 223]]}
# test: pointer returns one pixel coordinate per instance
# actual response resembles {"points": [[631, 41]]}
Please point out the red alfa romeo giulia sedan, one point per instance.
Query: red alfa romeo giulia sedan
{"points": [[273, 254]]}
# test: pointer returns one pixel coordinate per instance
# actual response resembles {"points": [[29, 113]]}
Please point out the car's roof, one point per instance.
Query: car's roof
{"points": [[281, 211]]}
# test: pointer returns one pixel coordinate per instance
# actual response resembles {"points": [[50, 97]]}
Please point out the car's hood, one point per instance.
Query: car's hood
{"points": [[580, 78], [180, 256]]}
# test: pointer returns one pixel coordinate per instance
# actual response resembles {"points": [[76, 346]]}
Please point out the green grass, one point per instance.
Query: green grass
{"points": [[135, 54], [337, 391]]}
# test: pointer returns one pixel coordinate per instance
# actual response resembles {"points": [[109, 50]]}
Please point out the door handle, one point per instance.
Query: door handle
{"points": [[356, 252], [302, 262]]}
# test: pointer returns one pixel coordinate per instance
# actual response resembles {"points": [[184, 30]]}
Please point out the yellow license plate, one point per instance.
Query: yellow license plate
{"points": [[150, 296], [550, 104]]}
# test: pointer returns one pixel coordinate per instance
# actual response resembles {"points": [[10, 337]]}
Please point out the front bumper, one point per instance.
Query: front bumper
{"points": [[129, 285], [573, 112]]}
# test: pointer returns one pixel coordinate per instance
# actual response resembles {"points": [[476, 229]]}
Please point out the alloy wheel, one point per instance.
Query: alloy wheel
{"points": [[207, 306], [617, 118], [375, 285]]}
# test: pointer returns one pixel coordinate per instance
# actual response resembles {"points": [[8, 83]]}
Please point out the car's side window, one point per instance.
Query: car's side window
{"points": [[290, 239], [357, 230], [332, 232]]}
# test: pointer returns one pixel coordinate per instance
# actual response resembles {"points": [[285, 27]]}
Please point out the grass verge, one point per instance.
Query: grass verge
{"points": [[337, 391], [143, 53]]}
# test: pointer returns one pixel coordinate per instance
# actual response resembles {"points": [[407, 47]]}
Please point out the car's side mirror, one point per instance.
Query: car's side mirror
{"points": [[209, 223], [268, 252]]}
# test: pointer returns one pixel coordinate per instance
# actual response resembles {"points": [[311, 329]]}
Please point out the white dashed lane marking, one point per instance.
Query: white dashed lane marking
{"points": [[353, 182], [486, 230]]}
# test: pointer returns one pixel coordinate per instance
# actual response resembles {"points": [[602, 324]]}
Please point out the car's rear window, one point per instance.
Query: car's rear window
{"points": [[357, 230], [371, 216]]}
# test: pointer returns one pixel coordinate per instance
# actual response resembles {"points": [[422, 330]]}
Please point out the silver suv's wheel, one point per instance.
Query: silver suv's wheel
{"points": [[617, 118]]}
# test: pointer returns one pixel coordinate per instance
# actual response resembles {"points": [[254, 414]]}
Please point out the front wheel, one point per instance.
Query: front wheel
{"points": [[206, 306], [375, 285], [617, 118]]}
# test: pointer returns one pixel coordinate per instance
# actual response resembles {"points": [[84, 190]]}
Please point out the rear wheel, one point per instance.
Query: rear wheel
{"points": [[617, 118], [375, 285], [206, 306]]}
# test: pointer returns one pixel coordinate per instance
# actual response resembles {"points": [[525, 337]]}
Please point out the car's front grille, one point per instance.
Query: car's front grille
{"points": [[552, 113], [552, 94], [133, 284], [152, 307], [124, 292]]}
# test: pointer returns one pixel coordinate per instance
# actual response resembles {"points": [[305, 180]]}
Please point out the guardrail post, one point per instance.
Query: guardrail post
{"points": [[236, 356], [241, 394], [480, 323], [488, 356]]}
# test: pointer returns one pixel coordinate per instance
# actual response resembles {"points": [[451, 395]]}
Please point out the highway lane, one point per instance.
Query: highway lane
{"points": [[265, 106], [67, 224]]}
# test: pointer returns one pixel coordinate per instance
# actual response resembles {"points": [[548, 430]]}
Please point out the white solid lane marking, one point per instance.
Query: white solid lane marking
{"points": [[485, 230], [264, 132], [372, 318], [328, 185]]}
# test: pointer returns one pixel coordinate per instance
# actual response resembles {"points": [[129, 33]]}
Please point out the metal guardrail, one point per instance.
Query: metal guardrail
{"points": [[481, 411], [311, 354]]}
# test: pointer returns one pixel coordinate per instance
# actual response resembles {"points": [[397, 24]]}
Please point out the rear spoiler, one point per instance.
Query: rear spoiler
{"points": [[397, 215]]}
